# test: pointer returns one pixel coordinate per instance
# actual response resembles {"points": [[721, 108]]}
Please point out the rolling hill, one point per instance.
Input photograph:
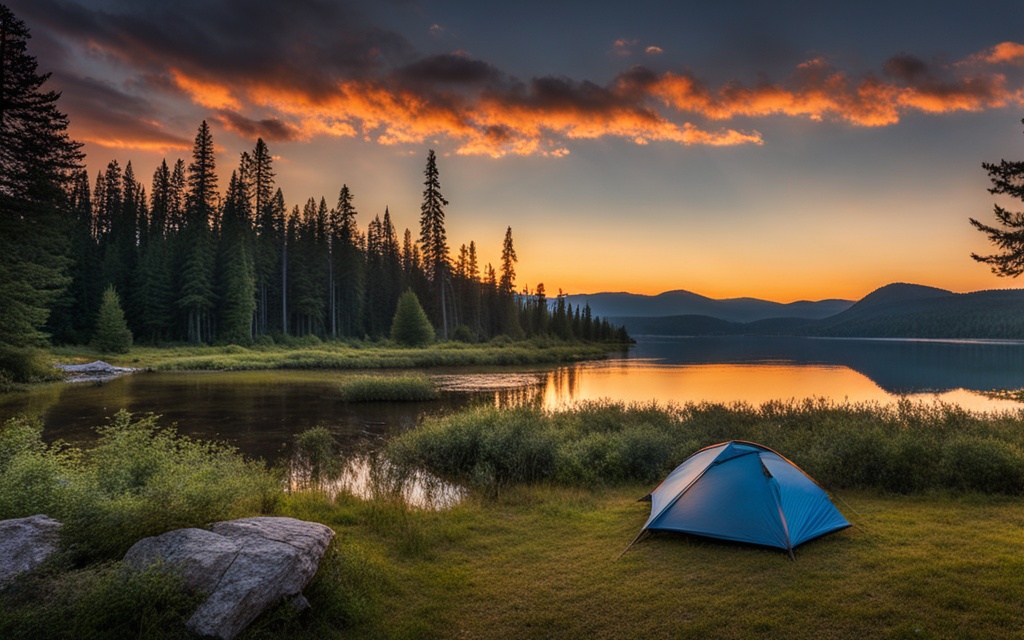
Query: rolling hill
{"points": [[894, 311], [685, 303]]}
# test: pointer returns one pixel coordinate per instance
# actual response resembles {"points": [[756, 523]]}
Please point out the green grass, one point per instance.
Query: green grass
{"points": [[906, 448], [393, 388], [338, 355], [539, 558], [540, 562]]}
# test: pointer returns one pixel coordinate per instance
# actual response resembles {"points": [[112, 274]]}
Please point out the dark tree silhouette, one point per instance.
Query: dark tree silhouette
{"points": [[1007, 179], [433, 239], [38, 164]]}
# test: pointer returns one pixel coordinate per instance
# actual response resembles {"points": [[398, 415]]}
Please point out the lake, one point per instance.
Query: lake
{"points": [[260, 412]]}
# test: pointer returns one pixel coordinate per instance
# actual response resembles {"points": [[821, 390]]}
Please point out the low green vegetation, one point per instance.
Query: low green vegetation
{"points": [[532, 552], [311, 353], [905, 448], [140, 479], [392, 388]]}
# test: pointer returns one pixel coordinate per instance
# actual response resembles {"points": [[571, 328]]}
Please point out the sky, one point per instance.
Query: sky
{"points": [[785, 151]]}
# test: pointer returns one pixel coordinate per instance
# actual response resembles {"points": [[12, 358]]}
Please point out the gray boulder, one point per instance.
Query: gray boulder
{"points": [[245, 566], [25, 543]]}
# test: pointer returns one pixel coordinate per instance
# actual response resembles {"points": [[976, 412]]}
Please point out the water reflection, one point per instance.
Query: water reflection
{"points": [[370, 477], [262, 412], [757, 370]]}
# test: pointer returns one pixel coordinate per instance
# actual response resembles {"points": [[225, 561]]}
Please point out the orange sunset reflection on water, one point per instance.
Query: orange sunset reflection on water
{"points": [[645, 381]]}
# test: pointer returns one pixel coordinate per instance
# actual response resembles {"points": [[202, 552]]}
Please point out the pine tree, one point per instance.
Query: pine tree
{"points": [[112, 334], [269, 234], [433, 239], [237, 280], [71, 320], [350, 268], [1007, 179], [38, 163], [507, 283], [196, 294], [410, 326]]}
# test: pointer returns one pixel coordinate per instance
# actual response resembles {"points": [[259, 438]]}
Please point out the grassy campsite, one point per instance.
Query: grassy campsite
{"points": [[532, 550]]}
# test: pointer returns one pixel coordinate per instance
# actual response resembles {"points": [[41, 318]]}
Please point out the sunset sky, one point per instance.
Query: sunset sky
{"points": [[797, 150]]}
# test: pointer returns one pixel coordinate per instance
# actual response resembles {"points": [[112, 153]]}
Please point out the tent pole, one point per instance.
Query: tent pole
{"points": [[635, 540]]}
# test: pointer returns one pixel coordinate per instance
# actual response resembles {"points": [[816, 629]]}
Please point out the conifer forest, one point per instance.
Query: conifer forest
{"points": [[193, 260]]}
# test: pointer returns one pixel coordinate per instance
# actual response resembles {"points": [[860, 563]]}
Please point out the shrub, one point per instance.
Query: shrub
{"points": [[24, 364], [33, 476], [316, 460], [108, 600], [139, 480]]}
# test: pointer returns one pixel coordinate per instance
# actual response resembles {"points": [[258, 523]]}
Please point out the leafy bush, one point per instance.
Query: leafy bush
{"points": [[24, 364], [316, 460], [139, 480], [108, 600]]}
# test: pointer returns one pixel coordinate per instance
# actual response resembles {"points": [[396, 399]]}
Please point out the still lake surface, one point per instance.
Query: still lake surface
{"points": [[260, 412]]}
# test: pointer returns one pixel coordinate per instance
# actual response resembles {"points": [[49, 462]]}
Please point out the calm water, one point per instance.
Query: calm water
{"points": [[260, 412]]}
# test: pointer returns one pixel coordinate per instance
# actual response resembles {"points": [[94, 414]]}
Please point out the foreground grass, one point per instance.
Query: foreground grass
{"points": [[541, 562], [338, 355], [537, 558]]}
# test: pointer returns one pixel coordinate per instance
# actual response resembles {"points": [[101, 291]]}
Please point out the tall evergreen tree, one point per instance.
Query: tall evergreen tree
{"points": [[196, 294], [38, 162], [71, 317], [433, 238], [1007, 179], [237, 280], [269, 234], [508, 312], [349, 273]]}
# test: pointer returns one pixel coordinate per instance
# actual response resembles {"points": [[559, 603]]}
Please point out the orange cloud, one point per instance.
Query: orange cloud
{"points": [[1002, 53], [484, 113], [207, 94], [820, 92]]}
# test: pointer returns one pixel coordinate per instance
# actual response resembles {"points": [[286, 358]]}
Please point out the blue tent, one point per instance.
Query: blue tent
{"points": [[743, 492]]}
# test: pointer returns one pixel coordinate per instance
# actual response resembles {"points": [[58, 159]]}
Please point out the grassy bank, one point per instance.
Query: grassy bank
{"points": [[532, 553], [314, 354], [907, 447]]}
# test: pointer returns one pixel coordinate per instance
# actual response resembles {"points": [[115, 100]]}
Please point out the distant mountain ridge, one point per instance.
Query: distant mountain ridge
{"points": [[678, 303], [897, 310]]}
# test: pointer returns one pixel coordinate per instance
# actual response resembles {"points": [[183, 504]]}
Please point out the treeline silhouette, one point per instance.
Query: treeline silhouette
{"points": [[190, 264]]}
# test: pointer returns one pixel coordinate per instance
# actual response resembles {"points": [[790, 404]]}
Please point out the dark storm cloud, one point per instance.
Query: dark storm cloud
{"points": [[905, 67], [307, 44], [451, 69], [310, 68], [111, 117], [270, 129]]}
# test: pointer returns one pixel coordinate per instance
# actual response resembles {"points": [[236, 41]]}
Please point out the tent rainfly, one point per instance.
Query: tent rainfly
{"points": [[743, 492]]}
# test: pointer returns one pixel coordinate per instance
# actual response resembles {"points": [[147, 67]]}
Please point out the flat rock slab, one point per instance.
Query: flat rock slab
{"points": [[245, 566], [25, 543], [93, 371]]}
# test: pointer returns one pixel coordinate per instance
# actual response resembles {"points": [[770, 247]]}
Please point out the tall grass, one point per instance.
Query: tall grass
{"points": [[903, 448], [140, 479], [400, 388]]}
